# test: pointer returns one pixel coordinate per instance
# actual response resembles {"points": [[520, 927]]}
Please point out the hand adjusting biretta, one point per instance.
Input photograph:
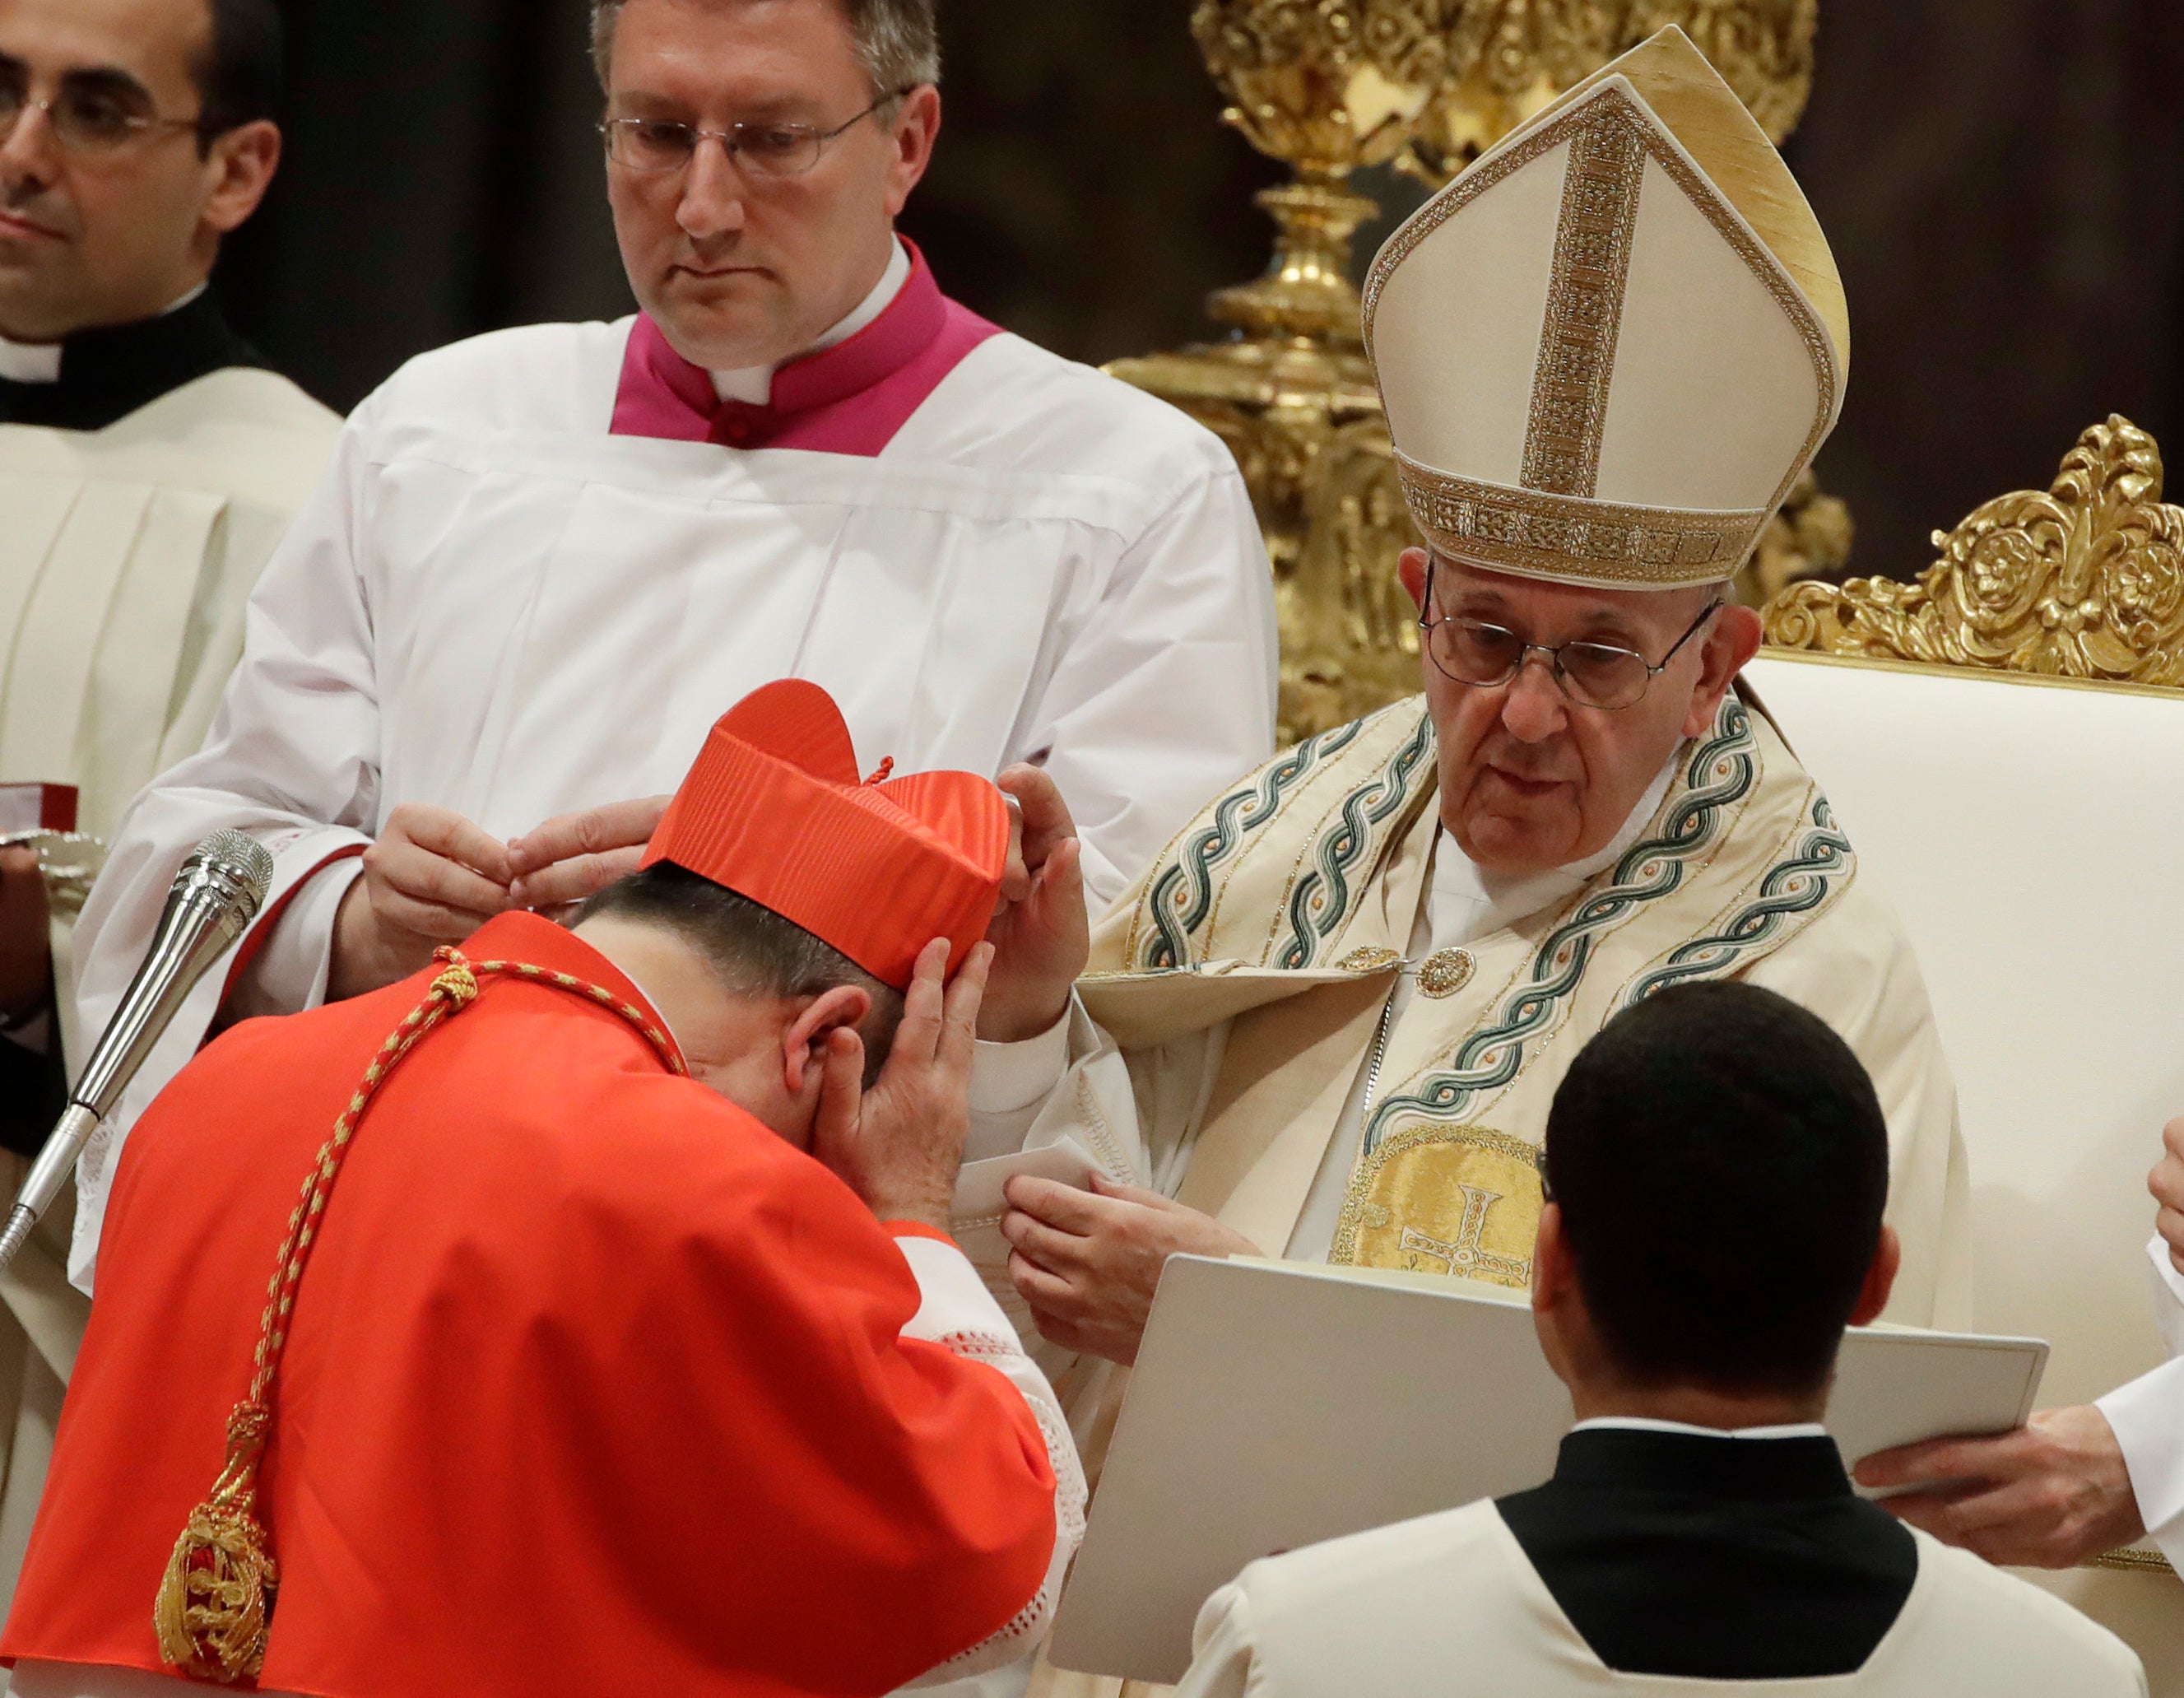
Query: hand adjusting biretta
{"points": [[773, 810]]}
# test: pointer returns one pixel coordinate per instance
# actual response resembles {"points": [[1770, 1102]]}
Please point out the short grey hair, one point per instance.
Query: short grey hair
{"points": [[898, 40]]}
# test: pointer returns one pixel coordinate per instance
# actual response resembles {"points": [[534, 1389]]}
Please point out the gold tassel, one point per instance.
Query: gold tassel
{"points": [[216, 1603], [215, 1610]]}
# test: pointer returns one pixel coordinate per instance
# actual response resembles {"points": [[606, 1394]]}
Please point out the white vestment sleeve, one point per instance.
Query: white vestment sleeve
{"points": [[1009, 1084], [2148, 1417], [1183, 635], [957, 1312], [1224, 1662], [1137, 1118], [291, 758]]}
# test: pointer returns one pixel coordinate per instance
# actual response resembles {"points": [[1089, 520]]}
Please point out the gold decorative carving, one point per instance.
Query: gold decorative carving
{"points": [[2082, 580], [1762, 48], [1330, 86], [1507, 59]]}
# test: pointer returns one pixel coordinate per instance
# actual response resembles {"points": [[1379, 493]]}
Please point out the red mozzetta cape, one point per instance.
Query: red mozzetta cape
{"points": [[594, 1384]]}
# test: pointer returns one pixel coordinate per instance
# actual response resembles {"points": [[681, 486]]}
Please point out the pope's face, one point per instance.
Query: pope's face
{"points": [[1530, 779], [108, 236], [737, 267]]}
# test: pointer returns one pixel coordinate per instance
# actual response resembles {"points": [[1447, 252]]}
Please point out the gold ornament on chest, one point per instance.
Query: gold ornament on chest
{"points": [[1445, 972], [1441, 973], [1442, 1199]]}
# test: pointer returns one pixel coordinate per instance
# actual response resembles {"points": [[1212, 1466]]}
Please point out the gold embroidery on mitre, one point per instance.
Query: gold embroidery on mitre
{"points": [[1368, 960], [1446, 971], [1442, 1199], [1569, 538], [1584, 307]]}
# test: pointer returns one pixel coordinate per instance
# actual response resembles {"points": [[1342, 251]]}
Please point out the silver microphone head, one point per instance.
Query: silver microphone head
{"points": [[240, 860]]}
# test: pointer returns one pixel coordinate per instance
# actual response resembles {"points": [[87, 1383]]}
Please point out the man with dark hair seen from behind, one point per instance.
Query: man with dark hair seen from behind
{"points": [[1717, 1164], [149, 463]]}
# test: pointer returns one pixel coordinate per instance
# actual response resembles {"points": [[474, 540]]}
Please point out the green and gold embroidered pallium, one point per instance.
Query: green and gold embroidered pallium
{"points": [[1284, 906]]}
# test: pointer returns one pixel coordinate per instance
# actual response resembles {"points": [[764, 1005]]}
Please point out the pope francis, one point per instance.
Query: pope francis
{"points": [[1328, 1021]]}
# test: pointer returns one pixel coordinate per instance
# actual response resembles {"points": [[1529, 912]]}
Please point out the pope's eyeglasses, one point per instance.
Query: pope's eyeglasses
{"points": [[1604, 675], [779, 150]]}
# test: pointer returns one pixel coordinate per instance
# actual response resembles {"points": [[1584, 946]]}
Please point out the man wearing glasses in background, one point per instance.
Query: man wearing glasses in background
{"points": [[543, 559], [1328, 1022], [148, 464]]}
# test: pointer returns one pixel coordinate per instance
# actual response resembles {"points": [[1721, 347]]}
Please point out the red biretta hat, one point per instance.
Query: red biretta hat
{"points": [[773, 810]]}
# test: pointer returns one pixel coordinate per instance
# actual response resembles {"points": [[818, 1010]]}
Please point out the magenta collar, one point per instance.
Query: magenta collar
{"points": [[849, 398]]}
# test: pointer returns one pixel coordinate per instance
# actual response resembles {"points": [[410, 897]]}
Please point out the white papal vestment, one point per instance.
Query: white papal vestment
{"points": [[1221, 1049], [495, 605]]}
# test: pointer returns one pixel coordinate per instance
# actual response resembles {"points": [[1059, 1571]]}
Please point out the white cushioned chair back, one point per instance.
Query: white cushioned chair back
{"points": [[2032, 837]]}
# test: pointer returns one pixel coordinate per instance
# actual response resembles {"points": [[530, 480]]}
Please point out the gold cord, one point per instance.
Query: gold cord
{"points": [[215, 1602]]}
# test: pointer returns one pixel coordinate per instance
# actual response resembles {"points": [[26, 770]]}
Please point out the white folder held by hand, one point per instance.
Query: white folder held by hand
{"points": [[1275, 1404]]}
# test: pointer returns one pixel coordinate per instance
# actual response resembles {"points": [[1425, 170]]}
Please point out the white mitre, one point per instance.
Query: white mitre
{"points": [[1609, 348]]}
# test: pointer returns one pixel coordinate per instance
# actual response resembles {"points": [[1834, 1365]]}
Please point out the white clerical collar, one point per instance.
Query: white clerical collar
{"points": [[1468, 902], [40, 362], [1640, 1423], [754, 384]]}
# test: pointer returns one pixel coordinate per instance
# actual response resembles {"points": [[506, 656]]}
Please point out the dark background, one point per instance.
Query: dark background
{"points": [[2003, 181]]}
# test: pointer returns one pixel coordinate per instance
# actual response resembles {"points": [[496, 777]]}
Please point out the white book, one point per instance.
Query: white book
{"points": [[1275, 1404]]}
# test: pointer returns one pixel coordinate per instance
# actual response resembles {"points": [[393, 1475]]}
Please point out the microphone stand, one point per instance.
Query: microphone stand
{"points": [[215, 897]]}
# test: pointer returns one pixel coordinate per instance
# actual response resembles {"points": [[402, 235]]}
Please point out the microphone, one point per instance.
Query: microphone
{"points": [[215, 896]]}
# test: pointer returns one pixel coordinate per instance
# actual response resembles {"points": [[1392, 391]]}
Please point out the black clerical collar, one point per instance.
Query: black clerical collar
{"points": [[1628, 1459], [108, 373]]}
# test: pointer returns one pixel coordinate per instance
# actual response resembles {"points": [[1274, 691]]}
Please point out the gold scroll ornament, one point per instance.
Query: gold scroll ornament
{"points": [[2084, 579], [1440, 1199], [1331, 86]]}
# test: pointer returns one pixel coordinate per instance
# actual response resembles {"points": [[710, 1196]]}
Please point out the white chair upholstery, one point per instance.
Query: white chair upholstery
{"points": [[2031, 834]]}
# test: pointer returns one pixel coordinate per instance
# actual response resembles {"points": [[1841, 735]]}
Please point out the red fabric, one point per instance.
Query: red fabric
{"points": [[594, 1386], [773, 809], [849, 399]]}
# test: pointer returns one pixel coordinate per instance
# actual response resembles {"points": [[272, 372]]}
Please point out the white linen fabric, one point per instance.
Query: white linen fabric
{"points": [[494, 605], [1449, 1603], [2148, 1417]]}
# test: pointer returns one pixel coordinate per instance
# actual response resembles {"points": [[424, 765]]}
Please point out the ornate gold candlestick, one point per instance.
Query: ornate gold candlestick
{"points": [[1329, 87]]}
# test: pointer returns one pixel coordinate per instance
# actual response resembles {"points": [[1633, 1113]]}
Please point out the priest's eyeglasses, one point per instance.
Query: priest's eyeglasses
{"points": [[87, 120], [777, 150], [1604, 675]]}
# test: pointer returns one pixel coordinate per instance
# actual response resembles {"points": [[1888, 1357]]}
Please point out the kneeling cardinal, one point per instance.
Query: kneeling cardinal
{"points": [[613, 1341]]}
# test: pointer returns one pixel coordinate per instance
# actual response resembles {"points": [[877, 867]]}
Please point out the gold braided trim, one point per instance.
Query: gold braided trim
{"points": [[214, 1607], [1585, 307], [2133, 1560], [1613, 100], [1609, 545]]}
